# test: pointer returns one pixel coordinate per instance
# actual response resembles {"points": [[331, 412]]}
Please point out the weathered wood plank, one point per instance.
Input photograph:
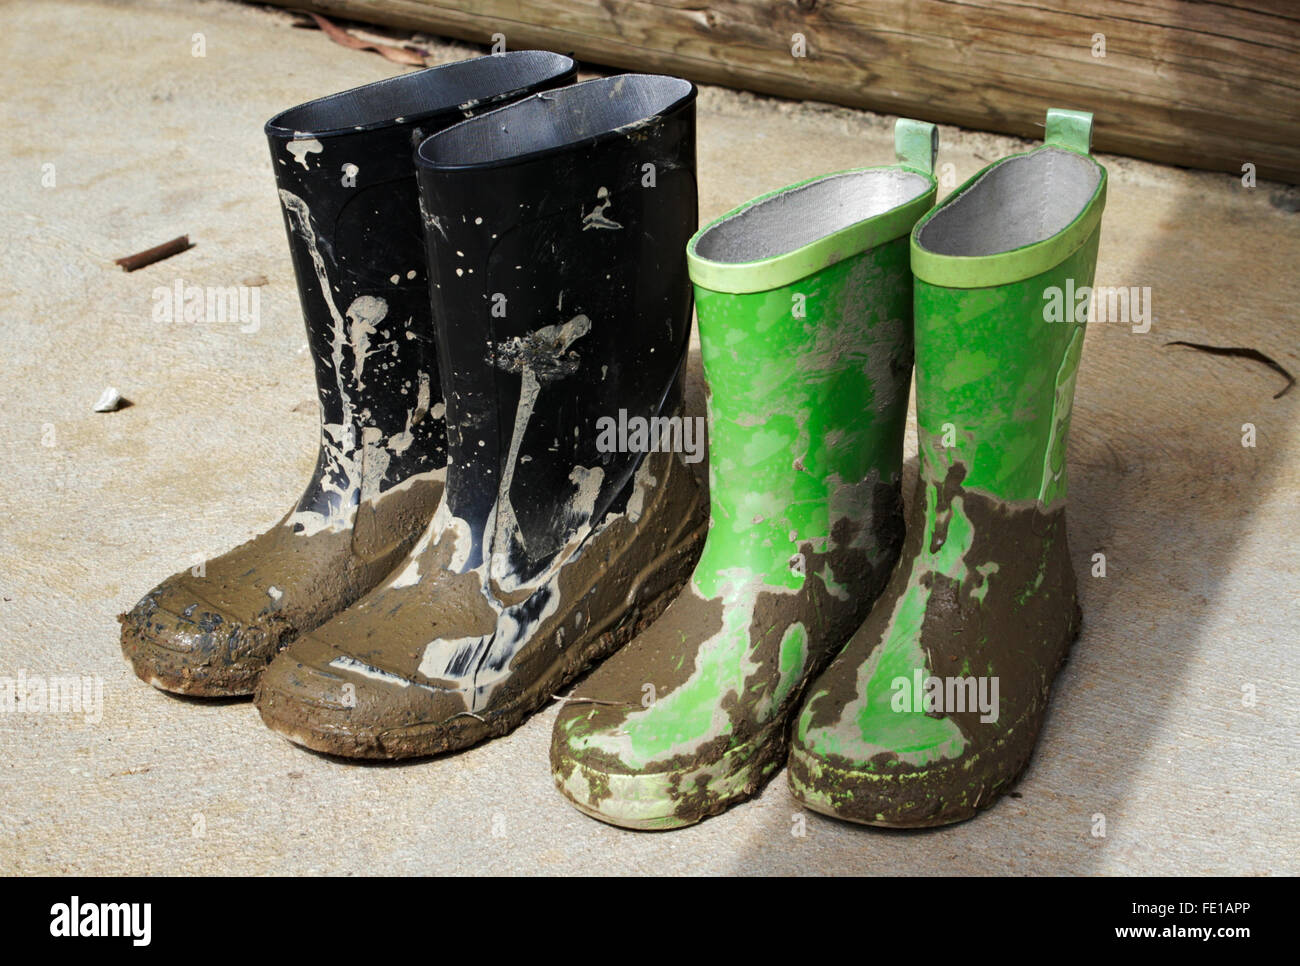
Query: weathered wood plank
{"points": [[1196, 84]]}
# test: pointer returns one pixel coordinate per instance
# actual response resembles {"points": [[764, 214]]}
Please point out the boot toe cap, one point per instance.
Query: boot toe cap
{"points": [[655, 795], [885, 791], [177, 641], [337, 703]]}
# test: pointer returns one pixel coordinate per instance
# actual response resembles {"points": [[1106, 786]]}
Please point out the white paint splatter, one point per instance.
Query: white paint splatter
{"points": [[364, 315], [596, 218], [351, 664], [430, 220], [561, 337], [301, 147], [360, 473], [442, 527], [643, 482]]}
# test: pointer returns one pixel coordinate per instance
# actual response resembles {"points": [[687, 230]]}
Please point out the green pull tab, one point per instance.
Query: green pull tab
{"points": [[1071, 130], [917, 144]]}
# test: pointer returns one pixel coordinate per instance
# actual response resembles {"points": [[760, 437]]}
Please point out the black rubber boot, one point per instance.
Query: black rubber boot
{"points": [[345, 170], [562, 306]]}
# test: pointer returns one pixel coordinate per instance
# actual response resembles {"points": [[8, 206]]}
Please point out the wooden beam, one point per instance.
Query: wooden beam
{"points": [[1211, 85]]}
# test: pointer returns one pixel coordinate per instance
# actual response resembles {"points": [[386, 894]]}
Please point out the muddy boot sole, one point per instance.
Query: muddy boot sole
{"points": [[437, 738], [169, 670], [643, 802], [330, 729], [213, 636], [220, 671], [929, 798]]}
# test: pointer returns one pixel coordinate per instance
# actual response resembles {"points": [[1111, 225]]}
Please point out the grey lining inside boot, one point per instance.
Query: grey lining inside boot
{"points": [[420, 93], [795, 218], [567, 115], [1023, 200]]}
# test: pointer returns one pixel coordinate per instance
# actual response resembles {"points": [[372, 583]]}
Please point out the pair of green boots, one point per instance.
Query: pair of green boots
{"points": [[903, 668]]}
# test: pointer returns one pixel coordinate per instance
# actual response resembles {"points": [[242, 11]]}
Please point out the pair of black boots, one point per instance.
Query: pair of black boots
{"points": [[490, 262]]}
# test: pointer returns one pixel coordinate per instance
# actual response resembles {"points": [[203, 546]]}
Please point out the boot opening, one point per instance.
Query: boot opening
{"points": [[1021, 201], [792, 219], [556, 119], [424, 93]]}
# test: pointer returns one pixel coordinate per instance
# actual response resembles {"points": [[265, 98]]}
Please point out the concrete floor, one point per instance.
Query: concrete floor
{"points": [[1151, 725]]}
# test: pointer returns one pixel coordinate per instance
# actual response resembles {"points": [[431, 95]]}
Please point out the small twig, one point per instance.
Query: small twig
{"points": [[1244, 353], [568, 699], [398, 55], [130, 263]]}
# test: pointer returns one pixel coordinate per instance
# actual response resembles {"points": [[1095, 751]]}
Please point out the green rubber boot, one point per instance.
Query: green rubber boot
{"points": [[804, 299], [932, 709]]}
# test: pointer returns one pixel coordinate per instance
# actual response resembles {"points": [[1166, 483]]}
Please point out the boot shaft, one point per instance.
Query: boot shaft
{"points": [[804, 298], [995, 365], [561, 303], [346, 177]]}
